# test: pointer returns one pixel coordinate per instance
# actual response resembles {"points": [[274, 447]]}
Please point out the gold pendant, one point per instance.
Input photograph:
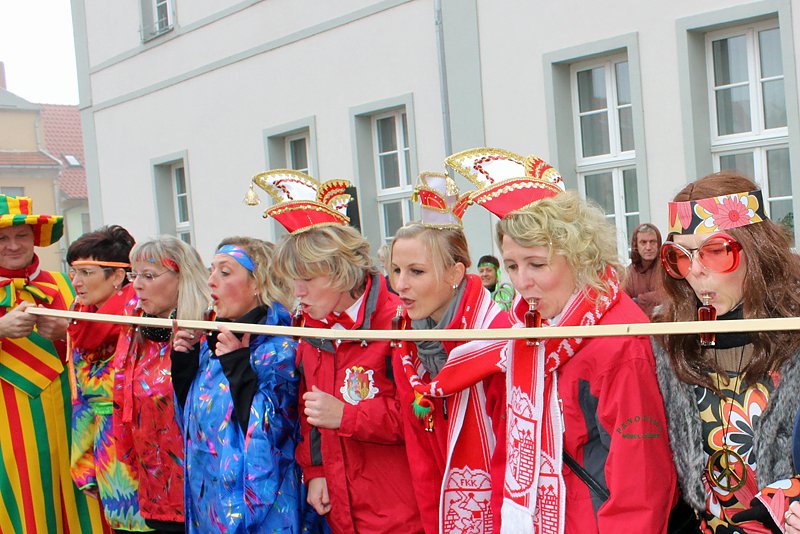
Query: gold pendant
{"points": [[727, 470]]}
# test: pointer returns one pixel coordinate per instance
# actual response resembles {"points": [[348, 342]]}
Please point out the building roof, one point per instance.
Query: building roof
{"points": [[63, 138], [12, 101], [27, 159]]}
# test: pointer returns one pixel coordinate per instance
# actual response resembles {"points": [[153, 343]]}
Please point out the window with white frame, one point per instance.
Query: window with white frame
{"points": [[749, 131], [297, 152], [605, 152], [181, 204], [157, 18], [392, 164]]}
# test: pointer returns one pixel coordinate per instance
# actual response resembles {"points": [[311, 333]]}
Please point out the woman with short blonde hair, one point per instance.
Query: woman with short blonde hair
{"points": [[352, 453], [590, 403], [571, 227]]}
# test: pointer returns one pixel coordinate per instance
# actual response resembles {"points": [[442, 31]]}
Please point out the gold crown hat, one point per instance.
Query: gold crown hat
{"points": [[439, 200], [301, 202], [506, 181]]}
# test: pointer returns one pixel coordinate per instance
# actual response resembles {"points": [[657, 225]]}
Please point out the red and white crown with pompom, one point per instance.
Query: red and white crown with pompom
{"points": [[506, 181], [301, 202]]}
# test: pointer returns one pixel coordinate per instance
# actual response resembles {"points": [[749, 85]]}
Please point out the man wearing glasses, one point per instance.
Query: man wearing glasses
{"points": [[36, 488]]}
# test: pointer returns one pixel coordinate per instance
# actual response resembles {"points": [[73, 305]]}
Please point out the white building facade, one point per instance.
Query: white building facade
{"points": [[184, 100]]}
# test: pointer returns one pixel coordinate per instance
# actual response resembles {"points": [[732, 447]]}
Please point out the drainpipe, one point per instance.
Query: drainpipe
{"points": [[445, 97]]}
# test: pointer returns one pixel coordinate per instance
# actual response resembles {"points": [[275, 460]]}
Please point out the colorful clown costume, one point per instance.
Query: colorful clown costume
{"points": [[36, 490]]}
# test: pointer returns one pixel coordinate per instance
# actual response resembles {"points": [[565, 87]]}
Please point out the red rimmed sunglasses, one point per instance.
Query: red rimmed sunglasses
{"points": [[719, 254]]}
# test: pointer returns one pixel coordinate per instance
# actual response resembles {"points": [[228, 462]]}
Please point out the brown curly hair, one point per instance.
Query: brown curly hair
{"points": [[771, 289]]}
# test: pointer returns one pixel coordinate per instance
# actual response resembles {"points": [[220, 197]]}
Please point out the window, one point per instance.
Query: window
{"points": [[605, 150], [297, 152], [72, 161], [86, 223], [392, 164], [183, 223], [13, 191], [748, 111], [157, 18], [173, 198], [292, 146]]}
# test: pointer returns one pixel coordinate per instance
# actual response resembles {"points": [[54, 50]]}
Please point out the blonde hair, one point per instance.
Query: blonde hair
{"points": [[336, 251], [447, 246], [270, 288], [193, 294], [572, 227]]}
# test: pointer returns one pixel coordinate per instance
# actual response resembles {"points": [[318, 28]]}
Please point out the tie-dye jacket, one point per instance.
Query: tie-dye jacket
{"points": [[95, 467], [243, 481]]}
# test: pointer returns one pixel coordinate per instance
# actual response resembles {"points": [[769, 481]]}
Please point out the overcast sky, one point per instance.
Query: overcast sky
{"points": [[38, 51]]}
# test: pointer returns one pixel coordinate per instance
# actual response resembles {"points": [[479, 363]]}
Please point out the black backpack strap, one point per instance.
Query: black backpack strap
{"points": [[594, 486]]}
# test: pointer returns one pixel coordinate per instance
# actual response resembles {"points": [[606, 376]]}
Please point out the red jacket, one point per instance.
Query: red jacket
{"points": [[148, 437], [427, 451], [363, 461], [615, 428]]}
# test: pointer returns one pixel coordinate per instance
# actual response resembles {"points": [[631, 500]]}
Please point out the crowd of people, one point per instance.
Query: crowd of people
{"points": [[141, 427]]}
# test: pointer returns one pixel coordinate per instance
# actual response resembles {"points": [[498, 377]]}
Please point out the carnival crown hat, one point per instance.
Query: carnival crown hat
{"points": [[506, 181], [301, 202], [439, 200], [17, 211]]}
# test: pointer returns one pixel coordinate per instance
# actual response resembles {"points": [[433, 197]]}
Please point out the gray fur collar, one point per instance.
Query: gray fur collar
{"points": [[772, 443]]}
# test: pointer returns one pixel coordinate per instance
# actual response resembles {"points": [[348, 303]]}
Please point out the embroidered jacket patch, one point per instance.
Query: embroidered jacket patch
{"points": [[358, 385]]}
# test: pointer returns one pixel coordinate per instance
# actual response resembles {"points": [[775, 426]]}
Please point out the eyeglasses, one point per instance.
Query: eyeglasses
{"points": [[85, 273], [147, 276], [718, 254]]}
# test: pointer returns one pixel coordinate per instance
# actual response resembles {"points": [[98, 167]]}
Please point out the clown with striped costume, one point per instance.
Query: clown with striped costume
{"points": [[36, 489]]}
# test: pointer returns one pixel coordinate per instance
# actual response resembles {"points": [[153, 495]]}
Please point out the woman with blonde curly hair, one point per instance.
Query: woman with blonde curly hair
{"points": [[592, 403], [352, 452], [168, 277], [239, 392]]}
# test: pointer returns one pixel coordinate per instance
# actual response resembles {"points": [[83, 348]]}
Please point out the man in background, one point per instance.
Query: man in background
{"points": [[489, 271], [642, 276]]}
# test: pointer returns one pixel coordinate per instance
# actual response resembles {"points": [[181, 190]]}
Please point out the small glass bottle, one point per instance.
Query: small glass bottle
{"points": [[398, 323], [298, 321], [533, 319], [707, 312]]}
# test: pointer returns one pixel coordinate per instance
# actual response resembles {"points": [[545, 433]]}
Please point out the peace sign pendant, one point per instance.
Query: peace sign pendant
{"points": [[727, 469]]}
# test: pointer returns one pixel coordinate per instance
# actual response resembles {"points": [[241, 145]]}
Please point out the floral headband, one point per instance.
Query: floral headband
{"points": [[709, 215]]}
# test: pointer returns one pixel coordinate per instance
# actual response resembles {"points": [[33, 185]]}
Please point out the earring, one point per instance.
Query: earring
{"points": [[455, 286]]}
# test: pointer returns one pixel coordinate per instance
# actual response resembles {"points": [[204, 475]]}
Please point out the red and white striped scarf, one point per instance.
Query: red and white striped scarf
{"points": [[470, 440], [534, 494]]}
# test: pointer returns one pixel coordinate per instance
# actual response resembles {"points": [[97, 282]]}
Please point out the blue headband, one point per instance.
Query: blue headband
{"points": [[238, 254]]}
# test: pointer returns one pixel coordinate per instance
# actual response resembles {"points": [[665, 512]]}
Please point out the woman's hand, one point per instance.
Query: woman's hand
{"points": [[318, 495], [184, 340], [228, 342], [793, 518], [322, 409]]}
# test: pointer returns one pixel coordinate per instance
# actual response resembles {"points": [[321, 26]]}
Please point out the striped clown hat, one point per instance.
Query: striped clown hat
{"points": [[16, 211]]}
